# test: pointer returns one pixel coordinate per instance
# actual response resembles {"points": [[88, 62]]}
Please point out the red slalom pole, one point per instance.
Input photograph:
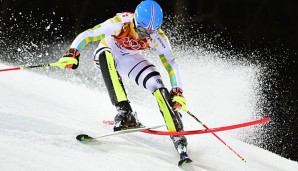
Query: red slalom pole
{"points": [[188, 112], [25, 67], [203, 131], [11, 69]]}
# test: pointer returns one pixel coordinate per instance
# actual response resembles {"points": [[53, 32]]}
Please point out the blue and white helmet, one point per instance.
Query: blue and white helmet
{"points": [[148, 15]]}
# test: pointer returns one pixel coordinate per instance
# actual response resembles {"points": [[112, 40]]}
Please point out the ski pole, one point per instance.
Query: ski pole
{"points": [[205, 126], [61, 64]]}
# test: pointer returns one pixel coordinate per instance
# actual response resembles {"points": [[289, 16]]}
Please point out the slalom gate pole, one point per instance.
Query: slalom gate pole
{"points": [[193, 116], [25, 67], [61, 64]]}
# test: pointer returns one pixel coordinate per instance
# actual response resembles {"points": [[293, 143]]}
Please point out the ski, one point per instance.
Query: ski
{"points": [[85, 137]]}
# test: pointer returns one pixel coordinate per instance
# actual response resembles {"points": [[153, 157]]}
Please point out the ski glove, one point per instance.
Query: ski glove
{"points": [[178, 100], [73, 53]]}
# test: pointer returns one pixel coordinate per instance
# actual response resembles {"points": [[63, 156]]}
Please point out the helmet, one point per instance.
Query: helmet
{"points": [[148, 15]]}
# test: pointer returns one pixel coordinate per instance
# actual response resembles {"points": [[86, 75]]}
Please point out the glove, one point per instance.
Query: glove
{"points": [[178, 100], [74, 53]]}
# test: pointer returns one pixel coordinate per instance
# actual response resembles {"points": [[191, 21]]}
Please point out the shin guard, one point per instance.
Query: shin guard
{"points": [[111, 78], [171, 117]]}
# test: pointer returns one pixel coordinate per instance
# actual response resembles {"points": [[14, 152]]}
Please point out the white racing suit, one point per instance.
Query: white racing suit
{"points": [[118, 55]]}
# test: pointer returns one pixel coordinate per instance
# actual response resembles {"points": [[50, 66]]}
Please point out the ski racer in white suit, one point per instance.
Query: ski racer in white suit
{"points": [[118, 54]]}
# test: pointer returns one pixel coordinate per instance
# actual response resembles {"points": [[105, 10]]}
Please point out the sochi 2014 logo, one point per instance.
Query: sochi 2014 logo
{"points": [[132, 44]]}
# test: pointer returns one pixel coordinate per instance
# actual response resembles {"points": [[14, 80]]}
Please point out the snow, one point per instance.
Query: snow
{"points": [[40, 117]]}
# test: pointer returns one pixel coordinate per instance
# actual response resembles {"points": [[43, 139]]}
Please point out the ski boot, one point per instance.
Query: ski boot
{"points": [[184, 159], [180, 143], [126, 119]]}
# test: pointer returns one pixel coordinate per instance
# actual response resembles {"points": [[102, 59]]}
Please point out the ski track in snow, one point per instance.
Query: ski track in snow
{"points": [[40, 117]]}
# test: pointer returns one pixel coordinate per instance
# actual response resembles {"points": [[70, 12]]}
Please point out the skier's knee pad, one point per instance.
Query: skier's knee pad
{"points": [[111, 77], [171, 117]]}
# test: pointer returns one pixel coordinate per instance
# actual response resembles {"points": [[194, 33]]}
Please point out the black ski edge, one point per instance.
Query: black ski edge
{"points": [[84, 137], [183, 161]]}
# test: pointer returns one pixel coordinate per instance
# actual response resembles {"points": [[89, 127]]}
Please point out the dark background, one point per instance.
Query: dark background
{"points": [[264, 27]]}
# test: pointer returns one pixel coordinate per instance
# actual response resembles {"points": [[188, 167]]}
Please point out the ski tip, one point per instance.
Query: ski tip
{"points": [[83, 137], [183, 161]]}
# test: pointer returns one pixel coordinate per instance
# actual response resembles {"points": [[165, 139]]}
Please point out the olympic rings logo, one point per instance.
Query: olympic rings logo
{"points": [[133, 44]]}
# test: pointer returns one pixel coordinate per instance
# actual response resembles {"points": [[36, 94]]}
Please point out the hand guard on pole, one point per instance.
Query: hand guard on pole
{"points": [[179, 102], [73, 53]]}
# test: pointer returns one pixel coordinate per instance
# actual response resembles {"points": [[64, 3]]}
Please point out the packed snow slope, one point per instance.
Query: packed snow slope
{"points": [[40, 117]]}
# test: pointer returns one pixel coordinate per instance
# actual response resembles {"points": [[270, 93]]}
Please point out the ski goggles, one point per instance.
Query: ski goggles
{"points": [[144, 31]]}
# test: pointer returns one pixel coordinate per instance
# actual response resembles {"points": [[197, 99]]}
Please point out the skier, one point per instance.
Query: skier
{"points": [[118, 54]]}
